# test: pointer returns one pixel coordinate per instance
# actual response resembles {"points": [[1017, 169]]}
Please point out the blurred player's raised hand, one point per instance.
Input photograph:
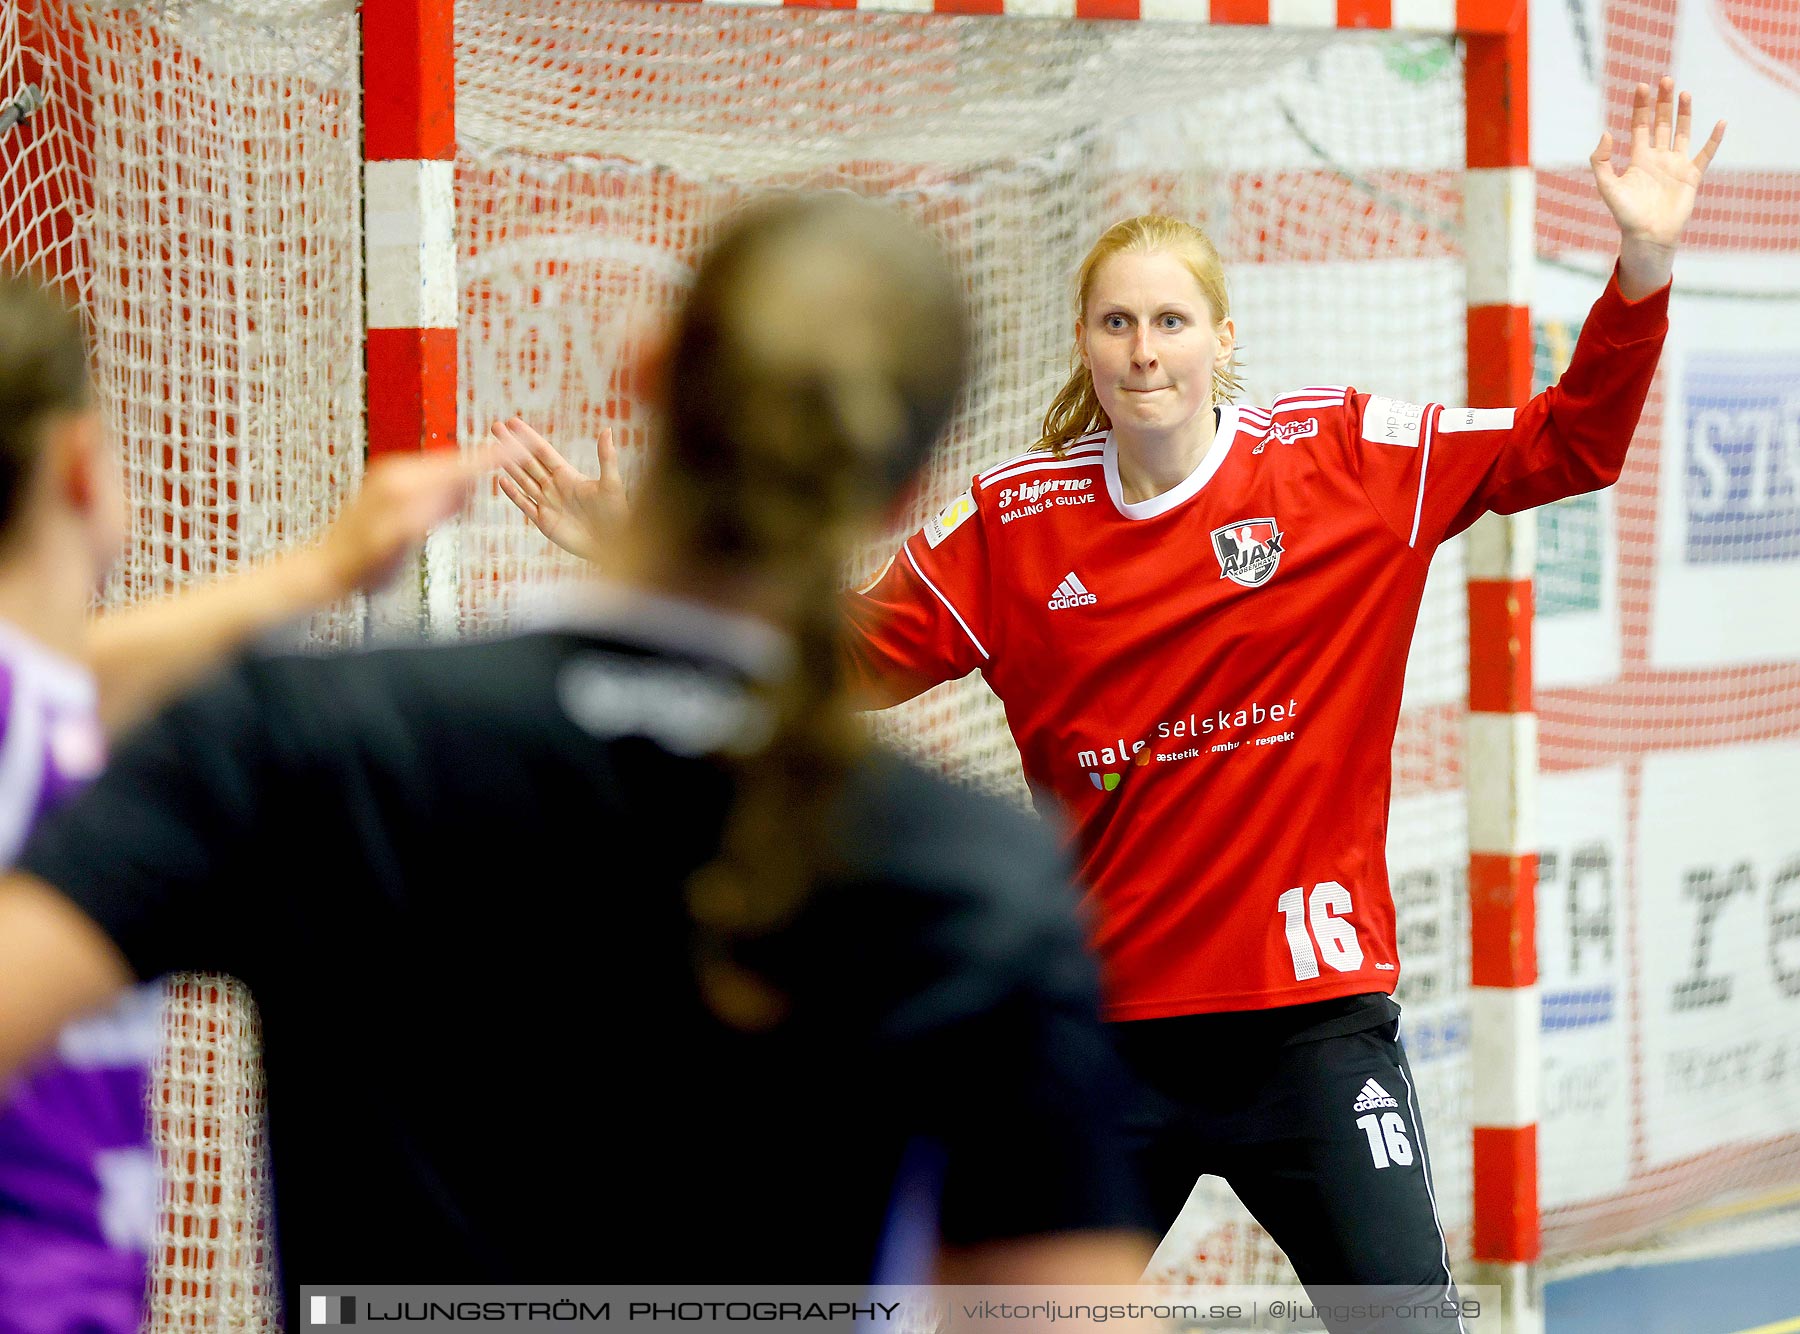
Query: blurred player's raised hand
{"points": [[575, 511], [401, 500], [1654, 196], [145, 654]]}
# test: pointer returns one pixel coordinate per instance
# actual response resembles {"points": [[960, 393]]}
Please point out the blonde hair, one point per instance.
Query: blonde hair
{"points": [[1076, 410]]}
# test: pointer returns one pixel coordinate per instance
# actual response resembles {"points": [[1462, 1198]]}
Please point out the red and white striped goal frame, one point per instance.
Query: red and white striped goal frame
{"points": [[409, 119]]}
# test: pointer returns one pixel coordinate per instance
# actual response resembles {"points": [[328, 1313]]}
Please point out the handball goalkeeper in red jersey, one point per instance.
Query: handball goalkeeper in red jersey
{"points": [[1197, 615]]}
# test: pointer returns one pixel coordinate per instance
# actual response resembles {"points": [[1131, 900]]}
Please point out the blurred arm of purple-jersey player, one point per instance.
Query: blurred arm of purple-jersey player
{"points": [[144, 655], [56, 965]]}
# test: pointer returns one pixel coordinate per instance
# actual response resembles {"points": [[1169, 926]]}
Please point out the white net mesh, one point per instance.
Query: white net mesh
{"points": [[216, 1266], [194, 180]]}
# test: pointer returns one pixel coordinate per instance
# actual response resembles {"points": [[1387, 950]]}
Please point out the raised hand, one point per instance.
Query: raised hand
{"points": [[577, 512], [1654, 196], [144, 655]]}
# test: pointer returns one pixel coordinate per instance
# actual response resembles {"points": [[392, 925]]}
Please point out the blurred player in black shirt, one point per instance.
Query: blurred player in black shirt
{"points": [[609, 952]]}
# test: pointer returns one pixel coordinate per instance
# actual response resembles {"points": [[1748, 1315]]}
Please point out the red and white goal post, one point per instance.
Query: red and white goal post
{"points": [[308, 232]]}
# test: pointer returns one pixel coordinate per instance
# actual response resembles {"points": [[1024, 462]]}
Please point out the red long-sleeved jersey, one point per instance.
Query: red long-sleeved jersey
{"points": [[1208, 681]]}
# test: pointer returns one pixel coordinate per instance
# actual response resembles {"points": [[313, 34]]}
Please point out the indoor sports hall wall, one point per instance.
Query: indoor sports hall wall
{"points": [[1668, 657]]}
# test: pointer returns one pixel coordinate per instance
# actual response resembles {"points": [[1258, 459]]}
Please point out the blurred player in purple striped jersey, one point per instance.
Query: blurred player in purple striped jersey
{"points": [[78, 1192]]}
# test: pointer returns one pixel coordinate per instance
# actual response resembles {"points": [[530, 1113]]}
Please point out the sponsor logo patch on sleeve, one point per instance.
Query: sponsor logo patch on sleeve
{"points": [[1388, 421], [1452, 420], [949, 519]]}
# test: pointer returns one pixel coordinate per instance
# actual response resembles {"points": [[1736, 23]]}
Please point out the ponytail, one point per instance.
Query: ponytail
{"points": [[776, 844], [816, 359]]}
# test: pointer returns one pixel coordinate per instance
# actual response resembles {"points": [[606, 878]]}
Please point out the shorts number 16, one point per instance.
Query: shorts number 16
{"points": [[1387, 1139]]}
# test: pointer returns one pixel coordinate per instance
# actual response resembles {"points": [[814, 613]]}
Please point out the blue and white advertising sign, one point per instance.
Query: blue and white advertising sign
{"points": [[1728, 480]]}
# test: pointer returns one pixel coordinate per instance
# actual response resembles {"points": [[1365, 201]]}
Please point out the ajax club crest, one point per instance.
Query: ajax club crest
{"points": [[1248, 551]]}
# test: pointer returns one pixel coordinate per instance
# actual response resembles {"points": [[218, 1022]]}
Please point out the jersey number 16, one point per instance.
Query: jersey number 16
{"points": [[1337, 943]]}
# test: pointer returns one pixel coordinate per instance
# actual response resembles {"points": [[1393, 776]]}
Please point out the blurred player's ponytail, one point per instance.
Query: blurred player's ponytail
{"points": [[43, 372], [815, 361]]}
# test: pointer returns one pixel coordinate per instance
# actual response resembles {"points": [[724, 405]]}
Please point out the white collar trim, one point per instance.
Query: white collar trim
{"points": [[1189, 487]]}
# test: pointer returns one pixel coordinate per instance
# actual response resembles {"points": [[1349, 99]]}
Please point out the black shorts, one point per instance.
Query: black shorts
{"points": [[1317, 1131]]}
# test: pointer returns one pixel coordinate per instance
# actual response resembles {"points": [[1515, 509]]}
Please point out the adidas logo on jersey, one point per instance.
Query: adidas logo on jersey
{"points": [[1070, 593], [1373, 1096]]}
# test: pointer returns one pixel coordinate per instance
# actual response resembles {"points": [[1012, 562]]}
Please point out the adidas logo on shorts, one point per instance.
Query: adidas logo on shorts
{"points": [[1070, 593], [1372, 1096]]}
